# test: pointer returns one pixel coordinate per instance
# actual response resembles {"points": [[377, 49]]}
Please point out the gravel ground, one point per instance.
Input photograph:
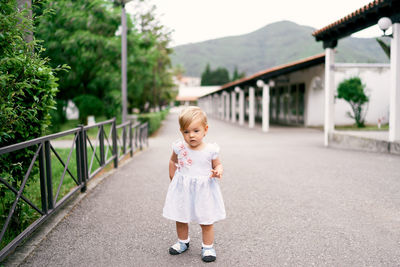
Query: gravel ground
{"points": [[289, 201]]}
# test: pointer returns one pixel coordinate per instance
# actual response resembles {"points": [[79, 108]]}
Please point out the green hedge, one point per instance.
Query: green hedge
{"points": [[154, 119]]}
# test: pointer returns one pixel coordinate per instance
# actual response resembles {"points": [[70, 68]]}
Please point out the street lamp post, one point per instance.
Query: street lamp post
{"points": [[394, 105], [124, 54], [124, 62]]}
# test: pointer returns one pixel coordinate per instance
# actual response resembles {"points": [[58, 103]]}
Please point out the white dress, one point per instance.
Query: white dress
{"points": [[192, 195]]}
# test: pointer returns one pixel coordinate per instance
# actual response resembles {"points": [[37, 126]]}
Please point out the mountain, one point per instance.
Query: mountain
{"points": [[275, 44]]}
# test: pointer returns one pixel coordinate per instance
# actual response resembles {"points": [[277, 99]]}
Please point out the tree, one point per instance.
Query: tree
{"points": [[81, 34], [27, 90], [236, 75], [352, 91], [214, 77], [150, 68]]}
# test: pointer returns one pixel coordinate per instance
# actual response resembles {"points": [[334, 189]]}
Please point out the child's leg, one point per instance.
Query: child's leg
{"points": [[182, 245], [207, 251], [182, 229], [208, 234]]}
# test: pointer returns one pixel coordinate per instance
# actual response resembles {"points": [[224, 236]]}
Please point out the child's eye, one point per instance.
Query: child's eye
{"points": [[185, 132], [196, 131]]}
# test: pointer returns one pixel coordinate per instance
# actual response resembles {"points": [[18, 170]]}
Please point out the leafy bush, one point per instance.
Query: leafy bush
{"points": [[352, 91], [154, 119], [88, 105], [27, 90]]}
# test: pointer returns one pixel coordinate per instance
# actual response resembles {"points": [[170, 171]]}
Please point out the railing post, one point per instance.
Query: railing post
{"points": [[83, 158], [130, 138], [147, 135], [123, 140], [49, 183], [42, 172], [141, 137], [115, 144], [136, 136], [79, 155], [102, 155]]}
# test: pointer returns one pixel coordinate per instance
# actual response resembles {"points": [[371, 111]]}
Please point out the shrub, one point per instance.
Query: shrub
{"points": [[88, 105], [27, 90], [154, 119], [352, 91]]}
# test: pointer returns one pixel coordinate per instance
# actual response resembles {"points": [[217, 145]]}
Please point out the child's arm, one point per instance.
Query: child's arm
{"points": [[172, 167], [217, 170]]}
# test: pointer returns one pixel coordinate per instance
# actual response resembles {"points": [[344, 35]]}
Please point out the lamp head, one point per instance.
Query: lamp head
{"points": [[384, 24], [260, 83]]}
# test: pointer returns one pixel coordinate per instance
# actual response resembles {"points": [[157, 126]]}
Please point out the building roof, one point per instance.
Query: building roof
{"points": [[360, 19], [192, 93], [277, 71]]}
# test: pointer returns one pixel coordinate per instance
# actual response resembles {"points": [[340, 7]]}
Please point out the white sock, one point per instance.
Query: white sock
{"points": [[184, 241], [206, 246]]}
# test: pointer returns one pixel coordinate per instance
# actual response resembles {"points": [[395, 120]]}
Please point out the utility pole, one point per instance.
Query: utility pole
{"points": [[124, 61]]}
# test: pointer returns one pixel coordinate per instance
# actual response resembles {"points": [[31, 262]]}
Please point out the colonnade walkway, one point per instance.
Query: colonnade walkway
{"points": [[289, 201]]}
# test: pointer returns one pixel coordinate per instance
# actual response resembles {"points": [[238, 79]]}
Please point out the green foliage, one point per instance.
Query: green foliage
{"points": [[237, 75], [88, 105], [352, 91], [214, 77], [27, 90], [81, 34], [154, 119], [149, 64]]}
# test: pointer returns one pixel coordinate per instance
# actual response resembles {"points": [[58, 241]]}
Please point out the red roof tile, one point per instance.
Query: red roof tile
{"points": [[348, 17], [271, 70]]}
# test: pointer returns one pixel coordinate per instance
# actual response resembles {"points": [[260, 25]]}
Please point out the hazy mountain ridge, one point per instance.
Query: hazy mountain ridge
{"points": [[275, 44]]}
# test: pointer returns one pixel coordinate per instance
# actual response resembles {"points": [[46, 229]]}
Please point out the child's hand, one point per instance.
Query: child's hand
{"points": [[217, 173]]}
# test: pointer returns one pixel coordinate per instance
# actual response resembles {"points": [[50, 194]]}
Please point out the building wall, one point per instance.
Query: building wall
{"points": [[376, 77]]}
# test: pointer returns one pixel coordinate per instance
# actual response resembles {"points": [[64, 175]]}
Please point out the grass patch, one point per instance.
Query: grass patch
{"points": [[384, 127]]}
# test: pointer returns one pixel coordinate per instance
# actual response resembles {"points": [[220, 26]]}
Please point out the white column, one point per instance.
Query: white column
{"points": [[228, 107], [394, 110], [329, 93], [233, 106], [213, 106], [222, 109], [209, 104], [241, 107], [251, 107], [265, 104]]}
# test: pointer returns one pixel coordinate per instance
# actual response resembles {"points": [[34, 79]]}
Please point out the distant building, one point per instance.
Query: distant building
{"points": [[297, 96], [190, 89]]}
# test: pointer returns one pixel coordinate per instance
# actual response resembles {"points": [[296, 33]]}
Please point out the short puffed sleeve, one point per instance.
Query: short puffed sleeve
{"points": [[177, 146], [214, 151]]}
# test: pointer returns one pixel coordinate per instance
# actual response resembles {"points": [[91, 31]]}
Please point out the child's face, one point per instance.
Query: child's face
{"points": [[195, 133]]}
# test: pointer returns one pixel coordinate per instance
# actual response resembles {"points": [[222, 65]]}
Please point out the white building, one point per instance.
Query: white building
{"points": [[297, 96]]}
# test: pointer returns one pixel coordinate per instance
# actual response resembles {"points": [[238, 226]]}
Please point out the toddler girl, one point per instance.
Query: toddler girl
{"points": [[194, 194]]}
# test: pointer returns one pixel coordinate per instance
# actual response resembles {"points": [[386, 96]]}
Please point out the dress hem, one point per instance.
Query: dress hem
{"points": [[189, 221]]}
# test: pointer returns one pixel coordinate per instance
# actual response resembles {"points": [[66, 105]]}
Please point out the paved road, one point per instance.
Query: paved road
{"points": [[289, 200]]}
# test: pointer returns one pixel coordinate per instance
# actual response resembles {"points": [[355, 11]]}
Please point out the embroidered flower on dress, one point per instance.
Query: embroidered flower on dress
{"points": [[183, 156]]}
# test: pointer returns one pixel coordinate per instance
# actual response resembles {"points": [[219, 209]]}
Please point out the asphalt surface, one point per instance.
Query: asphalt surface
{"points": [[289, 201]]}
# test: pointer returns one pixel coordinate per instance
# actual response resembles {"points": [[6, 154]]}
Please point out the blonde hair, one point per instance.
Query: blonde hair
{"points": [[190, 114]]}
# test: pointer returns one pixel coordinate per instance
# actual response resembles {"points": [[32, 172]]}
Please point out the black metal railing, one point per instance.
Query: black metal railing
{"points": [[112, 143]]}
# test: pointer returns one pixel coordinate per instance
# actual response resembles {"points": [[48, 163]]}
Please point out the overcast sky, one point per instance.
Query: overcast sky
{"points": [[200, 20]]}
